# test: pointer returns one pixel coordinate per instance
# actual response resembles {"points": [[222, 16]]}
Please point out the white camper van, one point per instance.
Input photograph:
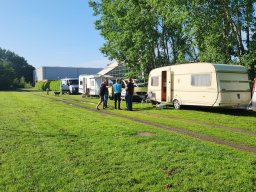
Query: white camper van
{"points": [[200, 84], [69, 85], [90, 84]]}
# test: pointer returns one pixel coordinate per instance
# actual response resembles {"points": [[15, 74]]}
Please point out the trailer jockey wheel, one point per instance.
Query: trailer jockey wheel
{"points": [[176, 104]]}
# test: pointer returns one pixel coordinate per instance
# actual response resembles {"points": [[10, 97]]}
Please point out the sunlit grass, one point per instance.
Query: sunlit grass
{"points": [[50, 146]]}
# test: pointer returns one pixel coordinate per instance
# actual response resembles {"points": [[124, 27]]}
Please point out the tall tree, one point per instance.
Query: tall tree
{"points": [[7, 75], [146, 34], [19, 64]]}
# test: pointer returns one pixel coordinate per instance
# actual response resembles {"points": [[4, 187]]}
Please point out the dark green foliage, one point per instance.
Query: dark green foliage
{"points": [[7, 75], [21, 83], [22, 72], [147, 34]]}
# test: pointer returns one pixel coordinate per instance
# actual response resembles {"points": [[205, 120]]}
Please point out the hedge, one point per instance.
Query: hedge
{"points": [[51, 85]]}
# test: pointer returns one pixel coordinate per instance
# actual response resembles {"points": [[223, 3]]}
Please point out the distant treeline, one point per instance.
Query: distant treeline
{"points": [[15, 72], [147, 34]]}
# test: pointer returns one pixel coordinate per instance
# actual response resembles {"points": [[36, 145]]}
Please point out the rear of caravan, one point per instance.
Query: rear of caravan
{"points": [[90, 84], [84, 84], [233, 86]]}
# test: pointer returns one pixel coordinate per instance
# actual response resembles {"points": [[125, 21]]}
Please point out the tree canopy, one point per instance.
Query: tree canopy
{"points": [[145, 34], [14, 70]]}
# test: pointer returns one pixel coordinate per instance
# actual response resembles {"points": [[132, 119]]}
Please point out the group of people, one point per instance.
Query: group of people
{"points": [[117, 89]]}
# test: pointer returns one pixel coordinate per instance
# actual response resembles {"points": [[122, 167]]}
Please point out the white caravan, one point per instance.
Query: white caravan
{"points": [[69, 85], [200, 84], [90, 84]]}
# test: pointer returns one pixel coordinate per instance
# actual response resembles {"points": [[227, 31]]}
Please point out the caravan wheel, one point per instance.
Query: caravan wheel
{"points": [[176, 104]]}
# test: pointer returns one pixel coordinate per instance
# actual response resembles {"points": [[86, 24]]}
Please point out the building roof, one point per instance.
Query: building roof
{"points": [[109, 68]]}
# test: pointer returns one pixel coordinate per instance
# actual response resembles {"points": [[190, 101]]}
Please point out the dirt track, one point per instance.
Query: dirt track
{"points": [[181, 131]]}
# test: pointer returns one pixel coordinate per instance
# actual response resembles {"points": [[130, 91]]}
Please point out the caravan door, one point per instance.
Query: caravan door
{"points": [[169, 86], [84, 85], [163, 86]]}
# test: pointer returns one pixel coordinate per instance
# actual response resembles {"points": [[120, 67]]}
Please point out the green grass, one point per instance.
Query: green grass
{"points": [[233, 136], [50, 146]]}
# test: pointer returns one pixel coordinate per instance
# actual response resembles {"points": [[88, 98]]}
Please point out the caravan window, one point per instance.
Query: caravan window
{"points": [[201, 80], [154, 81], [81, 82]]}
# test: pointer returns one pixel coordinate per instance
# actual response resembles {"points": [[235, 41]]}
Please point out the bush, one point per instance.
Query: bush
{"points": [[51, 85], [40, 85], [55, 85]]}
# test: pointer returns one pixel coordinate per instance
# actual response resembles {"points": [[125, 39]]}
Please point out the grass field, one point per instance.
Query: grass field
{"points": [[51, 143]]}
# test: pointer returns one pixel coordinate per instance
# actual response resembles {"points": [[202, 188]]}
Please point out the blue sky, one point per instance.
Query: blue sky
{"points": [[51, 32]]}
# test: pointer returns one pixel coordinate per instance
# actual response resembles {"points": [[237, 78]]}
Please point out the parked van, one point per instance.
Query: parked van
{"points": [[200, 84], [90, 84], [69, 85]]}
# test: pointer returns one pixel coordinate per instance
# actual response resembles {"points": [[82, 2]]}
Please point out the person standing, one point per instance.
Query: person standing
{"points": [[117, 87], [129, 93], [103, 89], [106, 95]]}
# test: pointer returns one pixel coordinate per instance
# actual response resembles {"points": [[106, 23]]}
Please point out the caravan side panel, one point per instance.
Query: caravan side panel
{"points": [[195, 88]]}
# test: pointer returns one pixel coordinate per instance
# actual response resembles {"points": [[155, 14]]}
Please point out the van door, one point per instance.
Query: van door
{"points": [[163, 87]]}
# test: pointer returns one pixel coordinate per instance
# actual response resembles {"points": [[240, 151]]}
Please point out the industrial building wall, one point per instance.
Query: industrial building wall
{"points": [[55, 73], [38, 74]]}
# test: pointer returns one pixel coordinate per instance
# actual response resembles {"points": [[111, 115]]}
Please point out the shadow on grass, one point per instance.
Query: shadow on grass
{"points": [[64, 135], [233, 112], [226, 111]]}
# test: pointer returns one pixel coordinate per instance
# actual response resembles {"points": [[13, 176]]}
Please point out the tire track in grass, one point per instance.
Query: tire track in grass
{"points": [[242, 131], [216, 126], [180, 131]]}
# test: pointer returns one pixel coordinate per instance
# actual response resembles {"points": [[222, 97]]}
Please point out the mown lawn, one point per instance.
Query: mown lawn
{"points": [[46, 145]]}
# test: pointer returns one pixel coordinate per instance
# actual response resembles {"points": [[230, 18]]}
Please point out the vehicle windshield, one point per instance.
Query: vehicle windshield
{"points": [[73, 82], [139, 83]]}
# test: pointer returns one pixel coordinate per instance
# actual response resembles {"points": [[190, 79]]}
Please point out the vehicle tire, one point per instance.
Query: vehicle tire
{"points": [[176, 104]]}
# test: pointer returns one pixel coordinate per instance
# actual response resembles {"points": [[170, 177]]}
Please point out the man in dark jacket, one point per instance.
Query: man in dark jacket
{"points": [[129, 93], [103, 89]]}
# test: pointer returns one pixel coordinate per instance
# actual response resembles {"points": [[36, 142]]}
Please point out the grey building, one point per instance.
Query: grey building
{"points": [[54, 73]]}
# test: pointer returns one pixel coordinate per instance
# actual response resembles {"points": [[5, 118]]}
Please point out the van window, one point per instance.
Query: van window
{"points": [[201, 80], [154, 81], [73, 82]]}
